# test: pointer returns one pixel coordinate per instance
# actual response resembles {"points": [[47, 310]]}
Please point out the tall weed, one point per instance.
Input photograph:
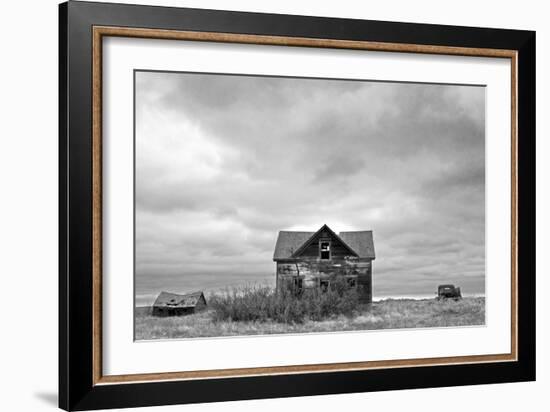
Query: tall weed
{"points": [[285, 305]]}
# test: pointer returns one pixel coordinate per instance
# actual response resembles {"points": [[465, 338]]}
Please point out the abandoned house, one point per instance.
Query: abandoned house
{"points": [[171, 304], [312, 259]]}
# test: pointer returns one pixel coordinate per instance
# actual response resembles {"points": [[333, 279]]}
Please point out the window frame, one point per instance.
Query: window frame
{"points": [[354, 278], [298, 284], [321, 281], [328, 250]]}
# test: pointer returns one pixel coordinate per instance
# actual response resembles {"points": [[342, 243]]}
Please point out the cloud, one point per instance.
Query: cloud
{"points": [[225, 162]]}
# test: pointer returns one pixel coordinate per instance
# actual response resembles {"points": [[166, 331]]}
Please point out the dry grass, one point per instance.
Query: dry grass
{"points": [[386, 314], [255, 303]]}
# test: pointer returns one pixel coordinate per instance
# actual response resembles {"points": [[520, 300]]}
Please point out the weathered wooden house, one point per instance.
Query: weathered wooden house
{"points": [[172, 304], [312, 259]]}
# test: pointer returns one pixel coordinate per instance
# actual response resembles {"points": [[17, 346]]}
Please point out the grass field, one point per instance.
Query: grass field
{"points": [[385, 314]]}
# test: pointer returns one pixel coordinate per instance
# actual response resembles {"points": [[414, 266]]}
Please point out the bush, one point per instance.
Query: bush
{"points": [[263, 303]]}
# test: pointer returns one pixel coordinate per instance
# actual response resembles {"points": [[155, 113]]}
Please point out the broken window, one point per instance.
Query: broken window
{"points": [[352, 282], [325, 250], [298, 285], [324, 285]]}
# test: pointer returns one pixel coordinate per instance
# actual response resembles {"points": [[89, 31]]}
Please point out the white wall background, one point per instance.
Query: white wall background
{"points": [[28, 204]]}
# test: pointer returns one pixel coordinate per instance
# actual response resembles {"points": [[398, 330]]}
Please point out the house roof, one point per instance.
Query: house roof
{"points": [[323, 228], [361, 241], [189, 300], [289, 242]]}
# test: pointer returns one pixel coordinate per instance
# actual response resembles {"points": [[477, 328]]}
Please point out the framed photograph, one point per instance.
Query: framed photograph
{"points": [[257, 205]]}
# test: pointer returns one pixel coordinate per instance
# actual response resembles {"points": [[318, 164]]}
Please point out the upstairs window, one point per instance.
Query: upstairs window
{"points": [[324, 248]]}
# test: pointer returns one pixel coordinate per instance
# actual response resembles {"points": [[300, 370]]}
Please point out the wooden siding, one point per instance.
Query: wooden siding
{"points": [[313, 270], [337, 248], [172, 311]]}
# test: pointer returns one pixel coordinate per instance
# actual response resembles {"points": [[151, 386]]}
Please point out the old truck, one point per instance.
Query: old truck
{"points": [[448, 292]]}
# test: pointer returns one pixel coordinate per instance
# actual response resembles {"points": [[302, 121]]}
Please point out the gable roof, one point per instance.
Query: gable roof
{"points": [[289, 242], [361, 241], [312, 239], [189, 300]]}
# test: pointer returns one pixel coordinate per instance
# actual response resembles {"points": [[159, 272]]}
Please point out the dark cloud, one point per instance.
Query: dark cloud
{"points": [[225, 162]]}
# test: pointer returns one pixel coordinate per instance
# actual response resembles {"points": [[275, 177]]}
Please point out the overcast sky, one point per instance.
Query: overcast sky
{"points": [[225, 162]]}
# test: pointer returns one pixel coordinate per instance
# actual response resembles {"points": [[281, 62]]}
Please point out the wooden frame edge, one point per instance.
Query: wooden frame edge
{"points": [[97, 228], [298, 369], [297, 41], [98, 32], [514, 204]]}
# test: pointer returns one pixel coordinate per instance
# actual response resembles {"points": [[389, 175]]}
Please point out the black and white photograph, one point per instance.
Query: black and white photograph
{"points": [[271, 205]]}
